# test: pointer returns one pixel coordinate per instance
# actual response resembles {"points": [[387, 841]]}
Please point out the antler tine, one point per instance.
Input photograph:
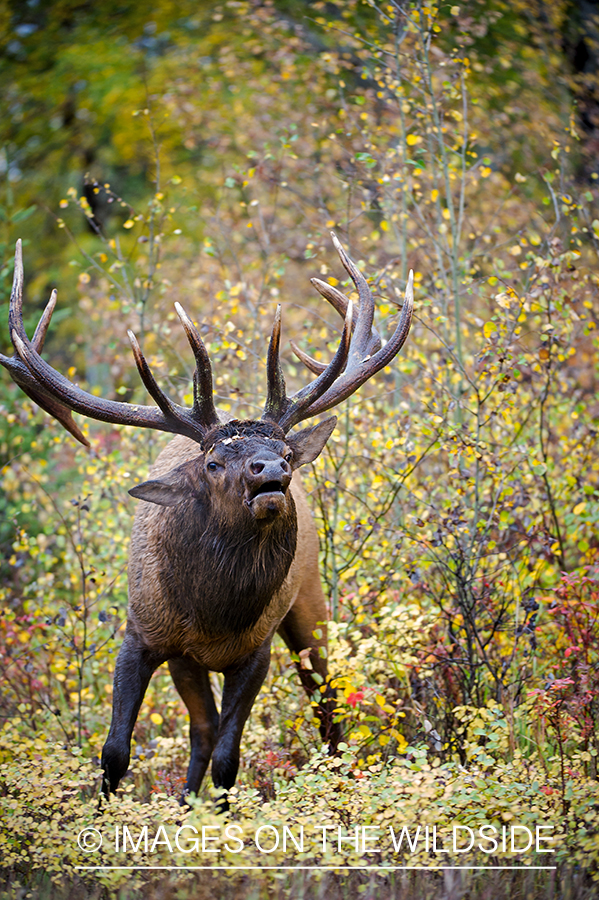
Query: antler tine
{"points": [[17, 368], [145, 373], [276, 399], [203, 401], [310, 363], [402, 330], [15, 310], [37, 341], [361, 338], [337, 300], [300, 405]]}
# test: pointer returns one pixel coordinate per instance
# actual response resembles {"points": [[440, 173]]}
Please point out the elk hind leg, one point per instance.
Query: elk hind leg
{"points": [[193, 684], [308, 616]]}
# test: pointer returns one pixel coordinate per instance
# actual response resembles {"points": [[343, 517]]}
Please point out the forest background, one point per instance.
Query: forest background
{"points": [[202, 153]]}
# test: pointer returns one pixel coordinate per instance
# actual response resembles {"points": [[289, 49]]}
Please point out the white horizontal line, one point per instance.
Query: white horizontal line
{"points": [[318, 868]]}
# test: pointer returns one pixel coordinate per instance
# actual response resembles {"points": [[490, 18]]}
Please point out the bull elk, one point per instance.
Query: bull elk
{"points": [[224, 552]]}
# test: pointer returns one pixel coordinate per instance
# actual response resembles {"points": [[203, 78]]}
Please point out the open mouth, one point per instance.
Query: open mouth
{"points": [[269, 487]]}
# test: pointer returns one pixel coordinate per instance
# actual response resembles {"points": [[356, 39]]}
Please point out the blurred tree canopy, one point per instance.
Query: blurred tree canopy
{"points": [[74, 77]]}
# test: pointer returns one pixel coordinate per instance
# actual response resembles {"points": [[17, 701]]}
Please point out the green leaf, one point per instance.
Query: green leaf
{"points": [[23, 214]]}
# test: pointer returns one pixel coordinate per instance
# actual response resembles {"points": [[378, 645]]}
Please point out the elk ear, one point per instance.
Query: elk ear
{"points": [[169, 490], [309, 443]]}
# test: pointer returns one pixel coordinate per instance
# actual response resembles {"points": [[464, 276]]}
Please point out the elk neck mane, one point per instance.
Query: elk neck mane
{"points": [[224, 577]]}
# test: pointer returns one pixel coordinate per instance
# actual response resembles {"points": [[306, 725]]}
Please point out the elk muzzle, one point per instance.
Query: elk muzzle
{"points": [[267, 480]]}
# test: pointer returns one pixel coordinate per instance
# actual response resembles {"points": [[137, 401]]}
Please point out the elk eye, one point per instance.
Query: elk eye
{"points": [[212, 466], [288, 456]]}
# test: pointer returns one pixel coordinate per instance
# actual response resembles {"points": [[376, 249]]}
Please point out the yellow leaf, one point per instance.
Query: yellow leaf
{"points": [[129, 223], [412, 139], [156, 718], [434, 195], [580, 507]]}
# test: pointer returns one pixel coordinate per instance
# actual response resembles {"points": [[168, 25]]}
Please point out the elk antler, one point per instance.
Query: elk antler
{"points": [[360, 352], [58, 396], [358, 357]]}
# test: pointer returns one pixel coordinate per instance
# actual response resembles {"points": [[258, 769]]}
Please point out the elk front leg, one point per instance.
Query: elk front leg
{"points": [[134, 668], [242, 684], [193, 683], [307, 615]]}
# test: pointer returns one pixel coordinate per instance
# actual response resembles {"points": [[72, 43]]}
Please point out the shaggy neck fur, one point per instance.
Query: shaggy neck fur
{"points": [[223, 576]]}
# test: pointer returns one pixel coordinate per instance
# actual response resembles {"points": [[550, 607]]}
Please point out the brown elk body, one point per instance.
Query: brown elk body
{"points": [[224, 552]]}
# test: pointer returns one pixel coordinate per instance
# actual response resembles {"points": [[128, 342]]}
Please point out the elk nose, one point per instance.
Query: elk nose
{"points": [[271, 470]]}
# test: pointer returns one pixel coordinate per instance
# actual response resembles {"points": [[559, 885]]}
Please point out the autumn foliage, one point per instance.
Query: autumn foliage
{"points": [[457, 502]]}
